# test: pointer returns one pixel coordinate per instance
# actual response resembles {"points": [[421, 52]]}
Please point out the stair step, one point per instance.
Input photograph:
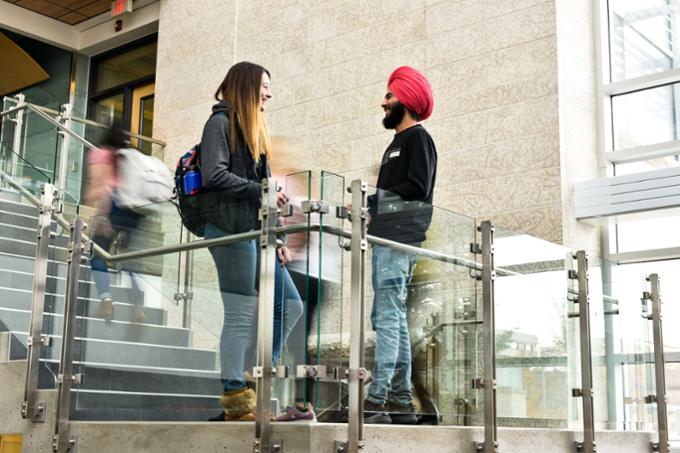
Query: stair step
{"points": [[18, 219], [98, 405], [103, 377], [27, 249], [132, 353], [30, 235], [22, 299], [10, 195], [26, 264], [57, 285], [15, 205], [18, 321]]}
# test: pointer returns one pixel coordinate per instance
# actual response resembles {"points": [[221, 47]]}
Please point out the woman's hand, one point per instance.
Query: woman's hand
{"points": [[281, 199], [284, 254]]}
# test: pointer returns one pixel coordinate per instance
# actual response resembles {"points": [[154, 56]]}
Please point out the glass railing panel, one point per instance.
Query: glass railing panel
{"points": [[23, 172], [600, 309], [39, 144], [19, 229], [140, 356], [422, 326], [630, 282], [295, 302], [628, 358], [31, 170], [328, 340], [532, 353]]}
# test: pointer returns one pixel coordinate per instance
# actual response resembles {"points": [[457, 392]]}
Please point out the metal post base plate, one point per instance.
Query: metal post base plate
{"points": [[580, 447], [481, 447], [277, 446], [70, 446], [37, 414], [657, 446]]}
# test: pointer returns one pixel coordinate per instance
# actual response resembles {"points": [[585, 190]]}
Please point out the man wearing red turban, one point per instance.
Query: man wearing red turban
{"points": [[401, 211]]}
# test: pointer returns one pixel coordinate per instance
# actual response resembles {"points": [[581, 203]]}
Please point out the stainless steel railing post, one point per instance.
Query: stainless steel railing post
{"points": [[488, 382], [62, 441], [662, 446], [357, 374], [30, 407], [264, 371], [586, 391], [65, 120], [18, 121]]}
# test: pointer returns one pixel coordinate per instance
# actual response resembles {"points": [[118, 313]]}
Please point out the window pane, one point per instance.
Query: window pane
{"points": [[647, 165], [126, 67], [649, 234], [642, 37], [645, 117], [108, 110]]}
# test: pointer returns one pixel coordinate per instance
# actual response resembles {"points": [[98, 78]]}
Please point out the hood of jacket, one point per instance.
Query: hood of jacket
{"points": [[222, 106]]}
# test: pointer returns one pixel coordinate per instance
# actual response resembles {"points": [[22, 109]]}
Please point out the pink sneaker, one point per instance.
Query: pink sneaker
{"points": [[293, 414]]}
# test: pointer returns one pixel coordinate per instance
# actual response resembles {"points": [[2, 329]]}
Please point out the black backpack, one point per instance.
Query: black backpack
{"points": [[188, 190]]}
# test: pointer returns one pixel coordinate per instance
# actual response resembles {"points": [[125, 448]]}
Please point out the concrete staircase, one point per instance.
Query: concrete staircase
{"points": [[131, 371]]}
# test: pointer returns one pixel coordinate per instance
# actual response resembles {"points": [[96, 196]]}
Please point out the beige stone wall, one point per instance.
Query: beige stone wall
{"points": [[493, 65]]}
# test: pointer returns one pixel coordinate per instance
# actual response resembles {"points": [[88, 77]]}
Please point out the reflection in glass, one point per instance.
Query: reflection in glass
{"points": [[642, 37], [651, 233], [647, 165], [108, 110], [645, 117], [146, 122], [126, 67]]}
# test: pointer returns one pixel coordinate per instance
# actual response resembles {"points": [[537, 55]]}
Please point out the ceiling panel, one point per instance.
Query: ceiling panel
{"points": [[43, 7], [68, 11], [72, 18], [95, 8]]}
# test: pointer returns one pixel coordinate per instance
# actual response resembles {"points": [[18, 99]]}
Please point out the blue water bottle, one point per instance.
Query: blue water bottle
{"points": [[192, 181]]}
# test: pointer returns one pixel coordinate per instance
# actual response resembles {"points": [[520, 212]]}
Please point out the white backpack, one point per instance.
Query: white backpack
{"points": [[143, 181]]}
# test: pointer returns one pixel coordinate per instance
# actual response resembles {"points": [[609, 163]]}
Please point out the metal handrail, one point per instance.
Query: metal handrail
{"points": [[337, 231], [57, 124], [48, 111], [205, 243], [59, 218]]}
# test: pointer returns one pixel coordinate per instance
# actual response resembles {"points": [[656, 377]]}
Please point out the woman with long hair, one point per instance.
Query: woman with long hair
{"points": [[235, 150]]}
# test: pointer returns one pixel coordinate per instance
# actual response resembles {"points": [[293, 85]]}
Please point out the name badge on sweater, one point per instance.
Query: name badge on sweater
{"points": [[394, 154]]}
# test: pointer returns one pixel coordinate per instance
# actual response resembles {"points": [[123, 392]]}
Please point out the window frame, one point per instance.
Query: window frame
{"points": [[608, 156]]}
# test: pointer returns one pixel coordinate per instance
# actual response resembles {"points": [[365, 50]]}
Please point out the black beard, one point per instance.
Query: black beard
{"points": [[395, 115]]}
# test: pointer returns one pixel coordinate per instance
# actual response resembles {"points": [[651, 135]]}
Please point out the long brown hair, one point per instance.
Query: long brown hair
{"points": [[241, 88]]}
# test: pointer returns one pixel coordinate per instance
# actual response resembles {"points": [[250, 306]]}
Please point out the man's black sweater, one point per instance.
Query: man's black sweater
{"points": [[401, 210]]}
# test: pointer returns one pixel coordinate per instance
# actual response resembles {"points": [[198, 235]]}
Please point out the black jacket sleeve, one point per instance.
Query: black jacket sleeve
{"points": [[422, 164], [216, 159]]}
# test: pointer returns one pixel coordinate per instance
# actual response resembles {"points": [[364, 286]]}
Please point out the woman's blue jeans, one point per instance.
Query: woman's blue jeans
{"points": [[237, 270], [122, 221]]}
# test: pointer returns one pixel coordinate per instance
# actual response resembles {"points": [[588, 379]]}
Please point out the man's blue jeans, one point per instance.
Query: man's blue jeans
{"points": [[392, 270], [237, 270]]}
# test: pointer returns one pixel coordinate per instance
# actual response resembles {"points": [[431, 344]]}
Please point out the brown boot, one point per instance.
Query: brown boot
{"points": [[138, 315], [105, 310], [239, 405]]}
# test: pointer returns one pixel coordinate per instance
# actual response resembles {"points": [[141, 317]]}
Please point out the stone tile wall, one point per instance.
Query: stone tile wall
{"points": [[507, 105]]}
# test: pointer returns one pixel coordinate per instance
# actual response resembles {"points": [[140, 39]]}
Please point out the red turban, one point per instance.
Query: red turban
{"points": [[413, 90]]}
